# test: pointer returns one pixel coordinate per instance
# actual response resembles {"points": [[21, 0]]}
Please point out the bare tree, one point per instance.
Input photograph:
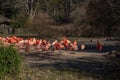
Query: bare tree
{"points": [[30, 8]]}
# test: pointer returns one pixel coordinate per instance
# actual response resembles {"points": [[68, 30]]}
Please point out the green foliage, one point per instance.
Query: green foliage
{"points": [[10, 61], [102, 18], [59, 9], [20, 22], [9, 8]]}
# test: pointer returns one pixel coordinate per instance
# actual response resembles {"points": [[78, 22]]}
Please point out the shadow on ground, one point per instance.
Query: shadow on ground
{"points": [[84, 64]]}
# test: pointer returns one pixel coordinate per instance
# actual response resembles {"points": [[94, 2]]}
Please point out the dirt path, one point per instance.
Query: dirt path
{"points": [[78, 61], [61, 56]]}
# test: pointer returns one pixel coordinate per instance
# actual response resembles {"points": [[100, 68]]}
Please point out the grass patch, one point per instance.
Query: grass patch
{"points": [[10, 61], [28, 73]]}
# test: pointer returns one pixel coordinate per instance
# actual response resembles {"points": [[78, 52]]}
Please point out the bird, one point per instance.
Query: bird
{"points": [[82, 46], [75, 44], [99, 46]]}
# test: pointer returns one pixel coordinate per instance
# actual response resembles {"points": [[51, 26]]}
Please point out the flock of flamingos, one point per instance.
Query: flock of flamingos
{"points": [[43, 45]]}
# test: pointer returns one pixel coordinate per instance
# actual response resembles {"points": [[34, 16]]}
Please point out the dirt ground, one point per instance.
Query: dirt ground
{"points": [[89, 60]]}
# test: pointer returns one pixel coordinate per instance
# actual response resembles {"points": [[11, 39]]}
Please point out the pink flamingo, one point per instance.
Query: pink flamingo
{"points": [[75, 44]]}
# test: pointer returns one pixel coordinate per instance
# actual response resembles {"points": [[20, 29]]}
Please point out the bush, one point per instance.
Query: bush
{"points": [[10, 61]]}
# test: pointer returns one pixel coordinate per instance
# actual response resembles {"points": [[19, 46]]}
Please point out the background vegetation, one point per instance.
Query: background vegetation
{"points": [[63, 17]]}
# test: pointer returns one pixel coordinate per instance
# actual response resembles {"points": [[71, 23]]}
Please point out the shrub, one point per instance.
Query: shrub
{"points": [[10, 61]]}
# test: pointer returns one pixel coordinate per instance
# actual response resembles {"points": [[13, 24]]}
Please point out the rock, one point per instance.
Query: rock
{"points": [[113, 53]]}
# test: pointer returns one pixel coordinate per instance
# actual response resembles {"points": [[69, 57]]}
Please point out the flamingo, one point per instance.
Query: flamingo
{"points": [[54, 42], [30, 41], [82, 46], [57, 46], [66, 44], [71, 46], [3, 39], [62, 47], [20, 44], [6, 43], [27, 45], [43, 44], [75, 44], [40, 44], [12, 41], [99, 46], [37, 44], [48, 45], [34, 41]]}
